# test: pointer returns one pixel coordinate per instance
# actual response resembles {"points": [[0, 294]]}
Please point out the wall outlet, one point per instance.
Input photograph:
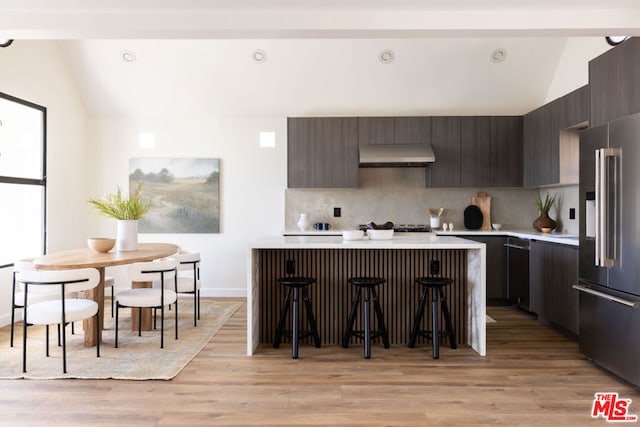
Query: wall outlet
{"points": [[435, 267], [337, 212], [572, 213]]}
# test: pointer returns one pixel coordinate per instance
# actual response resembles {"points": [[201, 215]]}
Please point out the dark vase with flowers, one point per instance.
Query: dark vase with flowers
{"points": [[544, 221]]}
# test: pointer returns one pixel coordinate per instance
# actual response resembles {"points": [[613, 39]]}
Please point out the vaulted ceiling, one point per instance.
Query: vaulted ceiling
{"points": [[195, 57]]}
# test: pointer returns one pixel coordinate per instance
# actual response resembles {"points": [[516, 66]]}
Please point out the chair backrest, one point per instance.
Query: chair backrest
{"points": [[152, 270], [76, 280], [186, 260]]}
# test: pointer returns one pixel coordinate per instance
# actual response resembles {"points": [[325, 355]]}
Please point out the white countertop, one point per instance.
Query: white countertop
{"points": [[561, 238], [399, 241], [564, 239]]}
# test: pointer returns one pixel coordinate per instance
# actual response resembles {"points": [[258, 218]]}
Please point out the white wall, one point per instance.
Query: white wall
{"points": [[35, 71], [252, 182]]}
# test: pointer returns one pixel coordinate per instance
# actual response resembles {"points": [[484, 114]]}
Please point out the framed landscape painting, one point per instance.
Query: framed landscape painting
{"points": [[184, 194]]}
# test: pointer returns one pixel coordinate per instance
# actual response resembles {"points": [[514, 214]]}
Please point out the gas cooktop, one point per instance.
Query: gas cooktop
{"points": [[406, 228]]}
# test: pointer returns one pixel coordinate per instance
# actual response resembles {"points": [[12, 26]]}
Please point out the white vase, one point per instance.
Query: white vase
{"points": [[127, 235], [303, 222]]}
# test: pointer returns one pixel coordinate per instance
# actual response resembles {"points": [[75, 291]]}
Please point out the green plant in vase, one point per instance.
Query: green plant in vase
{"points": [[127, 209], [544, 223]]}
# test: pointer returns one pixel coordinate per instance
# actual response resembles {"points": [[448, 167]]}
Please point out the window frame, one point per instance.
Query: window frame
{"points": [[42, 181]]}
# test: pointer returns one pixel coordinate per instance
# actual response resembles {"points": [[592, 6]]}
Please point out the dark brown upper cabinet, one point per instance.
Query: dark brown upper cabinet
{"points": [[476, 151], [614, 83], [394, 130], [446, 142], [551, 142], [322, 152]]}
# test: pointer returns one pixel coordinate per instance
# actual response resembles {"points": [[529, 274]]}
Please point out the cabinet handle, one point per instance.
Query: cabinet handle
{"points": [[622, 301], [511, 245]]}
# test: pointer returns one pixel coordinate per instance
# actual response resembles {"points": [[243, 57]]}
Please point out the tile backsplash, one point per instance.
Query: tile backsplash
{"points": [[399, 195]]}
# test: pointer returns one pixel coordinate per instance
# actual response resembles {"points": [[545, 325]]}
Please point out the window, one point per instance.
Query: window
{"points": [[22, 179]]}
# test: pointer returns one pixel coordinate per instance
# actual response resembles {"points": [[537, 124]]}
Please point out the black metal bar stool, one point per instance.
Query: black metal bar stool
{"points": [[295, 284], [369, 284], [435, 284]]}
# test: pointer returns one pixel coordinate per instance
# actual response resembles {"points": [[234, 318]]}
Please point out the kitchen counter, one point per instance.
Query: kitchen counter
{"points": [[318, 255], [564, 239], [561, 238]]}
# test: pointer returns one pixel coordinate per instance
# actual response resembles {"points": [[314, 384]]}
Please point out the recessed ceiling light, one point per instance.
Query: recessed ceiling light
{"points": [[499, 55], [258, 56], [386, 56], [128, 56]]}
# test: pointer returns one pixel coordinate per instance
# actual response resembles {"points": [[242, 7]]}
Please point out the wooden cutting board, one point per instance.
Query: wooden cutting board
{"points": [[483, 201]]}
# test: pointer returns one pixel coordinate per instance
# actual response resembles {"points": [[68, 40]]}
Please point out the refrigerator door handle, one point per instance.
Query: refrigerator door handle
{"points": [[622, 301], [607, 199]]}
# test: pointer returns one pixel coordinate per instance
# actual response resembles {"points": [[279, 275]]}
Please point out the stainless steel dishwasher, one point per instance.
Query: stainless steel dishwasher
{"points": [[518, 272]]}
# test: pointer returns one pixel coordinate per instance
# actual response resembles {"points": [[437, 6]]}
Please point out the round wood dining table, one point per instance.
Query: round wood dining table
{"points": [[86, 258]]}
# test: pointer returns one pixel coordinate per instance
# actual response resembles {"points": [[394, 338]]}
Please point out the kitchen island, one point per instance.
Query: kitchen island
{"points": [[330, 260]]}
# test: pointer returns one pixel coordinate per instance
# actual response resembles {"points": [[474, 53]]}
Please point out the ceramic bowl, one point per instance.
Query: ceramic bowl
{"points": [[380, 234], [352, 234], [497, 226], [546, 229], [101, 244]]}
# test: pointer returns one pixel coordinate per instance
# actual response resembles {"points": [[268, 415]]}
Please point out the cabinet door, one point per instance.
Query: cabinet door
{"points": [[322, 152], [445, 139], [496, 267], [376, 130], [413, 130], [556, 269], [614, 83], [538, 155], [506, 151], [475, 151]]}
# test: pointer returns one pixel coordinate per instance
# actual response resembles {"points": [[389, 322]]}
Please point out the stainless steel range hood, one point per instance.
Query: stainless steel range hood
{"points": [[395, 155]]}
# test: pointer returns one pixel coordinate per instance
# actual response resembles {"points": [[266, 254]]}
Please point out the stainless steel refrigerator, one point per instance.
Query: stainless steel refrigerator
{"points": [[609, 271]]}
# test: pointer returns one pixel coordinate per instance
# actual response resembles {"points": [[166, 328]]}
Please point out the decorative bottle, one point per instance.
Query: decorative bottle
{"points": [[303, 222]]}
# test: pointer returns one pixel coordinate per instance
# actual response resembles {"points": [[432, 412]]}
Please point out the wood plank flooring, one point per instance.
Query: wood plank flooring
{"points": [[532, 376]]}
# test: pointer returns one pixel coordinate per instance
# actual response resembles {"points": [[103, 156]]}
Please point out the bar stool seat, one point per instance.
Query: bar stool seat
{"points": [[296, 284], [368, 284], [435, 284]]}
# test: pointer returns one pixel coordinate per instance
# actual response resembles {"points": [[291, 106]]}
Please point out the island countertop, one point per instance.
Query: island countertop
{"points": [[422, 241], [475, 272]]}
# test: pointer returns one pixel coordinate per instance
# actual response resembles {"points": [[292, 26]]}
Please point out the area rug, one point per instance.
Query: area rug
{"points": [[136, 358]]}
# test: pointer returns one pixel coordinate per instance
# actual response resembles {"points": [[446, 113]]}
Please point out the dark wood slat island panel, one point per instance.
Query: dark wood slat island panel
{"points": [[331, 295]]}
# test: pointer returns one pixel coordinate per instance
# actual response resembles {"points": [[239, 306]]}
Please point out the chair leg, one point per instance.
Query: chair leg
{"points": [[294, 338], [47, 339], [98, 334], [283, 317], [367, 328], [13, 319], [310, 317], [418, 319], [381, 326], [177, 317], [161, 325], [195, 308], [73, 331], [352, 317], [64, 349], [139, 321], [435, 335], [198, 304], [112, 298], [24, 343], [117, 310], [447, 319]]}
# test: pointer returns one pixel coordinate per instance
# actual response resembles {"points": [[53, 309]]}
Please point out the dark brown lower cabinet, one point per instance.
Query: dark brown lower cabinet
{"points": [[554, 271], [496, 267]]}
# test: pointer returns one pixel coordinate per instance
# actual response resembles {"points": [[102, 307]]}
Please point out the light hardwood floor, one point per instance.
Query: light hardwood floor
{"points": [[532, 375]]}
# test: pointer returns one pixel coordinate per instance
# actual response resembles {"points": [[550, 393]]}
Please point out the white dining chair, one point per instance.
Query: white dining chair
{"points": [[17, 291], [163, 271], [189, 280], [61, 310]]}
